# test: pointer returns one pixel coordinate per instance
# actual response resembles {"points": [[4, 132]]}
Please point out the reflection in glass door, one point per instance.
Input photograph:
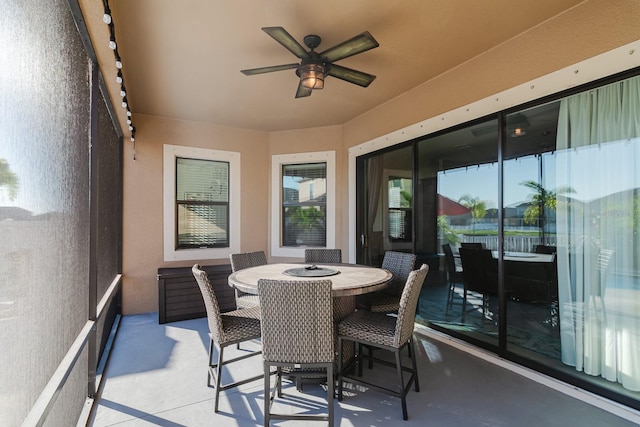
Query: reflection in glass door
{"points": [[461, 167], [531, 196], [385, 204], [564, 295]]}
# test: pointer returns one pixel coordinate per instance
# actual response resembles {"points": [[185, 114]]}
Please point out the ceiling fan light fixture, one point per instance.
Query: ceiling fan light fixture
{"points": [[312, 75], [517, 125], [518, 131]]}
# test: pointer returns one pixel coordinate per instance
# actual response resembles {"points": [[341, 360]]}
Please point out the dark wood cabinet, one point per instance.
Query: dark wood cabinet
{"points": [[179, 297]]}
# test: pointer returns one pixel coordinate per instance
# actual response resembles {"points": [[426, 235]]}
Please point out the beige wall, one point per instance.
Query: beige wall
{"points": [[585, 31], [143, 204]]}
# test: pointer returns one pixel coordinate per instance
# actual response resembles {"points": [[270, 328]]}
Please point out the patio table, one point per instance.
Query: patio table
{"points": [[525, 256], [348, 279]]}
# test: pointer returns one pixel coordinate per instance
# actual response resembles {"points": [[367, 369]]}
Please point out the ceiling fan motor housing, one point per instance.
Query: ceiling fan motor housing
{"points": [[312, 41]]}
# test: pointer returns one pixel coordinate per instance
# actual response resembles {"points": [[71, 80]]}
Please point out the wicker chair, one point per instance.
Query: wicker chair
{"points": [[323, 256], [297, 337], [545, 249], [454, 273], [240, 262], [342, 306], [225, 329], [480, 274], [400, 265], [390, 333]]}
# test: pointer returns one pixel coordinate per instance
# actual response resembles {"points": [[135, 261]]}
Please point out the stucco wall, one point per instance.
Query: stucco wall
{"points": [[585, 31], [143, 204]]}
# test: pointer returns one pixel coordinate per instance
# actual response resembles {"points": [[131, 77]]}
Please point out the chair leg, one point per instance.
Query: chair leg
{"points": [[279, 381], [267, 395], [415, 365], [403, 397], [218, 378], [450, 295], [330, 393], [464, 304], [211, 365], [341, 368]]}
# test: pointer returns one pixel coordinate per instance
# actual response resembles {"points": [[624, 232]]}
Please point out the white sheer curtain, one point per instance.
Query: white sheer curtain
{"points": [[598, 232]]}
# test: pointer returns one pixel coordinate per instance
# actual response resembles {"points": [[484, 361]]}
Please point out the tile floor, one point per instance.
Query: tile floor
{"points": [[156, 376]]}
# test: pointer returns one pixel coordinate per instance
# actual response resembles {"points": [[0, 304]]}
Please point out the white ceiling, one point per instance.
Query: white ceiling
{"points": [[182, 59]]}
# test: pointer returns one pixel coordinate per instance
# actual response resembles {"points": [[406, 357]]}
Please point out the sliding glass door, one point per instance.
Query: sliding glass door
{"points": [[530, 198], [460, 166], [530, 224]]}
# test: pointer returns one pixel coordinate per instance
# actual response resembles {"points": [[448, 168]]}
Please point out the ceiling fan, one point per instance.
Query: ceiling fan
{"points": [[315, 66]]}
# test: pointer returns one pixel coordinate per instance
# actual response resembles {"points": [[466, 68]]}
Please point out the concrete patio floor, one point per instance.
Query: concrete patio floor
{"points": [[156, 376]]}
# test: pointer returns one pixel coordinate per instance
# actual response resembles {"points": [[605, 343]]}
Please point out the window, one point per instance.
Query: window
{"points": [[303, 214], [303, 203], [399, 199], [201, 203]]}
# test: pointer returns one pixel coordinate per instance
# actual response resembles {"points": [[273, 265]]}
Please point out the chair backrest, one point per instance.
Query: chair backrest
{"points": [[330, 256], [210, 302], [473, 245], [297, 321], [490, 267], [531, 281], [449, 260], [400, 264], [473, 269], [544, 249], [408, 304], [604, 258], [247, 259]]}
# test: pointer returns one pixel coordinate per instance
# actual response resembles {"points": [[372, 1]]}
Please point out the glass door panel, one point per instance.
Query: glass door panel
{"points": [[385, 204], [530, 196], [458, 176]]}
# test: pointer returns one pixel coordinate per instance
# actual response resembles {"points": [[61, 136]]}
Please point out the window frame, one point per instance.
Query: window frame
{"points": [[312, 203], [277, 163], [202, 203], [408, 233], [170, 155]]}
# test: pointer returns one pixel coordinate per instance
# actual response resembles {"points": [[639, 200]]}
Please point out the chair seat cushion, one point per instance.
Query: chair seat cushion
{"points": [[240, 325], [364, 325]]}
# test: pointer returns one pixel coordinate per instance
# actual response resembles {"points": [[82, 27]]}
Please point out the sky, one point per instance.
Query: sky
{"points": [[592, 171]]}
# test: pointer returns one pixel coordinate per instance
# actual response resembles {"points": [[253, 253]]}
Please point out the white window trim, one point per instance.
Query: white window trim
{"points": [[170, 152], [277, 161]]}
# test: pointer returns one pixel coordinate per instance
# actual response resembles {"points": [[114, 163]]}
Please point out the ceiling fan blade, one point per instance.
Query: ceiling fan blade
{"points": [[353, 46], [285, 39], [269, 69], [352, 76], [302, 91]]}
